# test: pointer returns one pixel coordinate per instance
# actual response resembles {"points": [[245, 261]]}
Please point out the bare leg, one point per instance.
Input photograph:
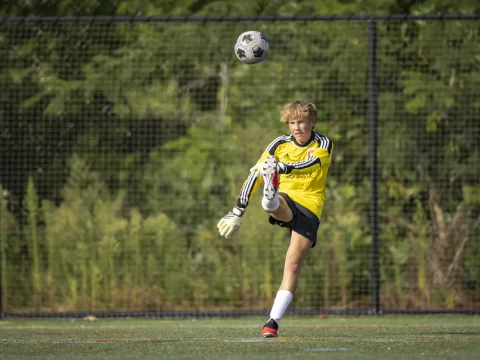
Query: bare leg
{"points": [[283, 213], [296, 254]]}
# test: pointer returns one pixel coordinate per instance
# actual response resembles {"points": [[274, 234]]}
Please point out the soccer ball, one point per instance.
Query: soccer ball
{"points": [[251, 47]]}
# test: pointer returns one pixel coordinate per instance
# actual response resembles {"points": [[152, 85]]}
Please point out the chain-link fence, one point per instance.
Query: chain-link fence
{"points": [[124, 141]]}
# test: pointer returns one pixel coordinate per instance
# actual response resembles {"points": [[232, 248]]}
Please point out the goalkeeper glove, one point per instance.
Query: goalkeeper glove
{"points": [[230, 222], [281, 168]]}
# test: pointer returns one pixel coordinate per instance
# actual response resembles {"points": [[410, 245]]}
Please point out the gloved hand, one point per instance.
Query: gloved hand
{"points": [[281, 168], [230, 222]]}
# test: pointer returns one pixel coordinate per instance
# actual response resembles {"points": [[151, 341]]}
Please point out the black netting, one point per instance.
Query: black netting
{"points": [[123, 143]]}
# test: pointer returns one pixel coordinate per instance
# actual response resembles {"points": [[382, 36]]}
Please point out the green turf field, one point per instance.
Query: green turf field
{"points": [[395, 337]]}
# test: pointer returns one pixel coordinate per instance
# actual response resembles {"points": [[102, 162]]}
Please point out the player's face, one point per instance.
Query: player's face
{"points": [[301, 129]]}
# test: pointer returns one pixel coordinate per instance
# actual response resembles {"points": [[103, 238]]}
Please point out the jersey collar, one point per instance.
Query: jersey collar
{"points": [[312, 137]]}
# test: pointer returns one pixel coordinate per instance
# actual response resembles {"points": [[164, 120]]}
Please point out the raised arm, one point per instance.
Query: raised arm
{"points": [[231, 222]]}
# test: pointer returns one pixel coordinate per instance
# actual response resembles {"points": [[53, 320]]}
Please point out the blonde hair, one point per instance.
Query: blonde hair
{"points": [[297, 110]]}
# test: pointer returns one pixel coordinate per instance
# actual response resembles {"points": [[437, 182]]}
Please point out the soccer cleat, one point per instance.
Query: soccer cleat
{"points": [[270, 177], [270, 329]]}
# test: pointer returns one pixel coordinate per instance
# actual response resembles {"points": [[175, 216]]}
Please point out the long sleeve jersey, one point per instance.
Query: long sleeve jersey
{"points": [[306, 169]]}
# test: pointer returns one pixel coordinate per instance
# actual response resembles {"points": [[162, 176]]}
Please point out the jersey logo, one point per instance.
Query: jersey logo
{"points": [[310, 152]]}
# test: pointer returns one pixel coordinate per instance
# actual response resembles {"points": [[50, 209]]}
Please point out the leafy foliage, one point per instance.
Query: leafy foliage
{"points": [[123, 144]]}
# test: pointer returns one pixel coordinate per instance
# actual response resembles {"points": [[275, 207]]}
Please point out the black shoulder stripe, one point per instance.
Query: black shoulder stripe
{"points": [[324, 142], [278, 141]]}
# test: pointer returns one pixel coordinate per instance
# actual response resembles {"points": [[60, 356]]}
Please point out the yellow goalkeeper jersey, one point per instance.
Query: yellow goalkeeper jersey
{"points": [[306, 171]]}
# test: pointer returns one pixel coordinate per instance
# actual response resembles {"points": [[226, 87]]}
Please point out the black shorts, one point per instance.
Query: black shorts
{"points": [[304, 221]]}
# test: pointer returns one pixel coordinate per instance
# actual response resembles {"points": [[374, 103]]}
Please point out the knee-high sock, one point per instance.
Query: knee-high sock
{"points": [[280, 305]]}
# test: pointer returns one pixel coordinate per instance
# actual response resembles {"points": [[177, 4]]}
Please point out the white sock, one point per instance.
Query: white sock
{"points": [[280, 305], [271, 205]]}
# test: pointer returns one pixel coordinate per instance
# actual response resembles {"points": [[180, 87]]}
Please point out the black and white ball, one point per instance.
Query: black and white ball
{"points": [[251, 47]]}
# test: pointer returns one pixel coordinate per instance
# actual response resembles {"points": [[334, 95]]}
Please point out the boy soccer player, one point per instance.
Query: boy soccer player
{"points": [[294, 170]]}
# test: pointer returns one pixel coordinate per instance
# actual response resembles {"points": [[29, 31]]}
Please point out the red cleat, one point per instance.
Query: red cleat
{"points": [[270, 329]]}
